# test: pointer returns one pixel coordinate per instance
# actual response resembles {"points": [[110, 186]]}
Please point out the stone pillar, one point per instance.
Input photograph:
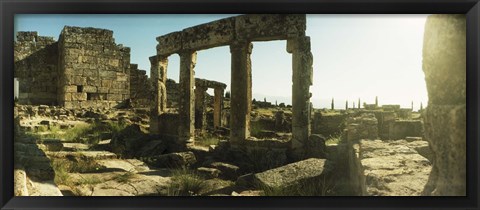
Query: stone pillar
{"points": [[241, 91], [302, 77], [200, 108], [445, 118], [158, 71], [218, 107], [186, 130]]}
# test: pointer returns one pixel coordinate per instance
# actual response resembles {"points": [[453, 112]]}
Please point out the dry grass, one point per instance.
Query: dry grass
{"points": [[186, 183]]}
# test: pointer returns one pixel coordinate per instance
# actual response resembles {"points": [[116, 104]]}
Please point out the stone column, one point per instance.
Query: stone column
{"points": [[186, 130], [158, 70], [217, 107], [241, 91], [200, 108], [445, 118], [302, 74]]}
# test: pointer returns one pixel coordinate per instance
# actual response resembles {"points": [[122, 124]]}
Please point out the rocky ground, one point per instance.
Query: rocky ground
{"points": [[395, 168], [110, 153]]}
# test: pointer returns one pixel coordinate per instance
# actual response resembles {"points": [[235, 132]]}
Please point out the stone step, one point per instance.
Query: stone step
{"points": [[96, 155], [72, 147], [128, 165]]}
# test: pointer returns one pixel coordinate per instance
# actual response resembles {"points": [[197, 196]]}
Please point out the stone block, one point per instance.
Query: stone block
{"points": [[292, 174], [79, 96], [70, 89], [90, 73], [114, 97], [264, 27], [173, 160], [89, 89], [208, 173], [169, 43], [209, 35], [107, 83], [445, 130], [444, 59], [103, 89], [122, 77]]}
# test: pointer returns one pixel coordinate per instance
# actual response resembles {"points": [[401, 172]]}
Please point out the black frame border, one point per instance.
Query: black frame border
{"points": [[8, 8]]}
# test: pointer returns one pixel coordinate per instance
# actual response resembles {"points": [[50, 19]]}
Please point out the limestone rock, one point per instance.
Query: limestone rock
{"points": [[20, 183], [392, 168], [208, 173], [444, 64], [293, 173], [45, 188], [228, 171], [173, 160]]}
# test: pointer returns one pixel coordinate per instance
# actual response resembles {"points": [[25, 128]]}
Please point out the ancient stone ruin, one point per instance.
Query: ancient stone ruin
{"points": [[239, 33], [88, 122]]}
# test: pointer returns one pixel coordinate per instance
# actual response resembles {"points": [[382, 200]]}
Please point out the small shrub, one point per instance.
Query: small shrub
{"points": [[61, 168], [84, 165], [185, 183], [207, 140]]}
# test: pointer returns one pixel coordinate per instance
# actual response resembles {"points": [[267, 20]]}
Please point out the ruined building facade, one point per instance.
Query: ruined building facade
{"points": [[85, 68]]}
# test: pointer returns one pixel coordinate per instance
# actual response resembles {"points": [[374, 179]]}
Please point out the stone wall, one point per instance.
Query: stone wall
{"points": [[36, 59], [444, 65], [173, 93], [141, 88], [400, 129], [328, 124], [94, 71]]}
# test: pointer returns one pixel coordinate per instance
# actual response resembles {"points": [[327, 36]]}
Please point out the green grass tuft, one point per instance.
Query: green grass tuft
{"points": [[185, 183]]}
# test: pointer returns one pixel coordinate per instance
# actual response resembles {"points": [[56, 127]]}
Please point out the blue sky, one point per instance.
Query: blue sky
{"points": [[355, 56]]}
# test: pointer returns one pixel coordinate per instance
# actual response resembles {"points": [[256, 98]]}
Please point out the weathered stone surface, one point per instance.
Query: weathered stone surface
{"points": [[46, 188], [75, 147], [152, 148], [169, 43], [94, 155], [70, 72], [173, 160], [137, 185], [213, 34], [392, 168], [423, 149], [328, 124], [445, 130], [241, 92], [444, 59], [292, 173], [128, 165], [187, 107], [362, 127], [36, 68], [444, 65], [228, 171], [315, 147], [141, 88], [20, 183], [400, 129], [269, 27], [302, 77], [208, 173]]}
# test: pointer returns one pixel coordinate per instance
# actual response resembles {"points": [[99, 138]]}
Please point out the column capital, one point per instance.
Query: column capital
{"points": [[157, 58], [241, 45], [298, 44]]}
